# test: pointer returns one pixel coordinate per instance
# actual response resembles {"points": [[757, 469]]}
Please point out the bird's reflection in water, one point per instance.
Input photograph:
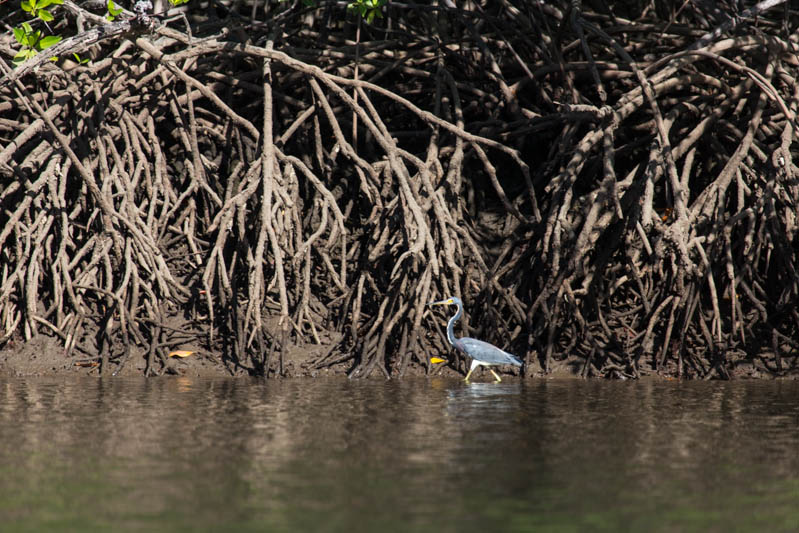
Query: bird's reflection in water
{"points": [[478, 416], [482, 399]]}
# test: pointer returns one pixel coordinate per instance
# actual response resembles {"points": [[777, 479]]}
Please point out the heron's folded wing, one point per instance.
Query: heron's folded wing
{"points": [[488, 353]]}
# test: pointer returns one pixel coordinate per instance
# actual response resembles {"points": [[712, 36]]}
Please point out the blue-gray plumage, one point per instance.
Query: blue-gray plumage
{"points": [[481, 352]]}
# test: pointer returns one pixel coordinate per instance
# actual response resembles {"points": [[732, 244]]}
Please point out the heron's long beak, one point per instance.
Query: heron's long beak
{"points": [[442, 302]]}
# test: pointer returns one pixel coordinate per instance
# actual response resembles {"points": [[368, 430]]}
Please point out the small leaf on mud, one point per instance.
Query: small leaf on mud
{"points": [[180, 353], [437, 360]]}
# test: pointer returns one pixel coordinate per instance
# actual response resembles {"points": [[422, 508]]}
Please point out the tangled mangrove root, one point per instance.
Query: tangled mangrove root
{"points": [[610, 192]]}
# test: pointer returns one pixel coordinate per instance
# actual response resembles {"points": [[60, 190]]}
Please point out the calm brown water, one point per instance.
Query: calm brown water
{"points": [[179, 454]]}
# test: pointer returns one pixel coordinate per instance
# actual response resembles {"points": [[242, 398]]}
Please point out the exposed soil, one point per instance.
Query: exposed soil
{"points": [[44, 356]]}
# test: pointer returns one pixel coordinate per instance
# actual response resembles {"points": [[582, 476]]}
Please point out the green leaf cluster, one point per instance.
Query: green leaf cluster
{"points": [[368, 9], [113, 10], [32, 42], [38, 8]]}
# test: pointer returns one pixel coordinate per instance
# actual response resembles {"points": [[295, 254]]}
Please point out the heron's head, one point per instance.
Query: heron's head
{"points": [[448, 301]]}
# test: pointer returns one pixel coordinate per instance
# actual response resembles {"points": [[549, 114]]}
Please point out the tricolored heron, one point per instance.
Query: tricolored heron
{"points": [[481, 352]]}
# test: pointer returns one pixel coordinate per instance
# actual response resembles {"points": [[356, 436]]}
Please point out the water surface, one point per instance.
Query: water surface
{"points": [[185, 454]]}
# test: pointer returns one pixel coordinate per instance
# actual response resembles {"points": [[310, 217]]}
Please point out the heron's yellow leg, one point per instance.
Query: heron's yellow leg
{"points": [[495, 375], [469, 374]]}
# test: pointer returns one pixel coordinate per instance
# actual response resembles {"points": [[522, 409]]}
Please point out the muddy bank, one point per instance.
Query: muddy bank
{"points": [[45, 356]]}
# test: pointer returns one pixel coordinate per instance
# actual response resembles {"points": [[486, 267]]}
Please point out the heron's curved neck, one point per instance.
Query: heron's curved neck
{"points": [[451, 325]]}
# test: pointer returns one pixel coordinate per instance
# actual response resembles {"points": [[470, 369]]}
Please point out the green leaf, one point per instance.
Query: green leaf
{"points": [[32, 38], [49, 41], [24, 55], [26, 6], [45, 15], [19, 34], [113, 10], [27, 27]]}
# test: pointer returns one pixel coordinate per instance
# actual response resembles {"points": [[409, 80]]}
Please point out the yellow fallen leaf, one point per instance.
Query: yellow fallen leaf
{"points": [[437, 360], [180, 353]]}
